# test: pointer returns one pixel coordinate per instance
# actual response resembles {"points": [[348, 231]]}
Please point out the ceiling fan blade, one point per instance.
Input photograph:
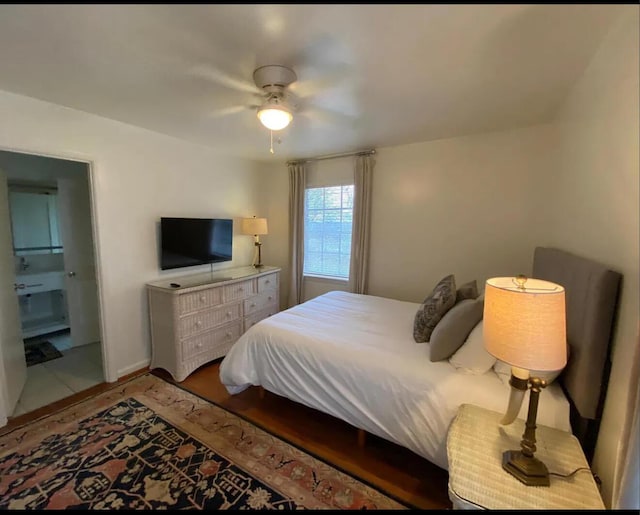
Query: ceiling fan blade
{"points": [[227, 111], [329, 116], [216, 75], [336, 76], [338, 105]]}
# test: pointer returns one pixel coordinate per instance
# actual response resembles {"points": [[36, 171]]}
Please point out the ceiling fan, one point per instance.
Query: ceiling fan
{"points": [[280, 95], [276, 111]]}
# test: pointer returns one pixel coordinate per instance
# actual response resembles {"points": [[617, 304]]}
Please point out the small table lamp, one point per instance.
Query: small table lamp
{"points": [[524, 326], [256, 227]]}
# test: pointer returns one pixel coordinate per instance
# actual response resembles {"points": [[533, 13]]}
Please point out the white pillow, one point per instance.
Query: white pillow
{"points": [[472, 357], [504, 373]]}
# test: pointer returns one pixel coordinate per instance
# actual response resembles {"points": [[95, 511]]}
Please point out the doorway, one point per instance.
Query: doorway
{"points": [[49, 218]]}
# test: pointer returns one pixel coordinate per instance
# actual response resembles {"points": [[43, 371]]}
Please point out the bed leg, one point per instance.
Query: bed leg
{"points": [[260, 392], [362, 435]]}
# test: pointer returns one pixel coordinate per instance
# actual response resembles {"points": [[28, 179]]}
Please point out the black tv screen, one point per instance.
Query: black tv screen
{"points": [[194, 241]]}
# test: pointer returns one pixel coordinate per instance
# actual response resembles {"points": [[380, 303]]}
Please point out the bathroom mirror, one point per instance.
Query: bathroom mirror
{"points": [[34, 220]]}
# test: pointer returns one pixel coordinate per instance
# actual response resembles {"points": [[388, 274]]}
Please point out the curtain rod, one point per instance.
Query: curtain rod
{"points": [[333, 156]]}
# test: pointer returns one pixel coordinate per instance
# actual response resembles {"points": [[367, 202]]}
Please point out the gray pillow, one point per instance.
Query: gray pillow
{"points": [[467, 291], [434, 306], [452, 331]]}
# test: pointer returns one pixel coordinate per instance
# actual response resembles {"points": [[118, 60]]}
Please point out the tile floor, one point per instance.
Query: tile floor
{"points": [[78, 369]]}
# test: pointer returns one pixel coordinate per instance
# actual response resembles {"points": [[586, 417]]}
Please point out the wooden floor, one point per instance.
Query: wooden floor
{"points": [[389, 467], [382, 464]]}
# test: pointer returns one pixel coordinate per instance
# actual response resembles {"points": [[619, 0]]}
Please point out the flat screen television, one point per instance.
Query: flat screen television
{"points": [[194, 241]]}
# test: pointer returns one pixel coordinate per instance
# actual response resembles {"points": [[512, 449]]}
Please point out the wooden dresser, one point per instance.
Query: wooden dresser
{"points": [[201, 318]]}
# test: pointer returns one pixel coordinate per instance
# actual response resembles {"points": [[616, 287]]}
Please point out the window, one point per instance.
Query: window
{"points": [[328, 217]]}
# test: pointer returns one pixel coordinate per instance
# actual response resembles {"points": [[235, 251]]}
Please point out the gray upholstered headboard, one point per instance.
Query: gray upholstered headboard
{"points": [[591, 296]]}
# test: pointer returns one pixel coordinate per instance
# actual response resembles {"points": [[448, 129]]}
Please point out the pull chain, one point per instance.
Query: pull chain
{"points": [[271, 148]]}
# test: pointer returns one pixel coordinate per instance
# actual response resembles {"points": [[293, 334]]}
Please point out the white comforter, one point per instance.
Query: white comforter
{"points": [[353, 356]]}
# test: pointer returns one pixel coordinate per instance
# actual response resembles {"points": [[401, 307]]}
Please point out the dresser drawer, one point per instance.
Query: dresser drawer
{"points": [[205, 320], [252, 320], [238, 291], [210, 341], [260, 302], [190, 302], [267, 282]]}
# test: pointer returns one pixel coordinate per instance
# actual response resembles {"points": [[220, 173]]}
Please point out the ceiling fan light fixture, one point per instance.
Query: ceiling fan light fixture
{"points": [[274, 116]]}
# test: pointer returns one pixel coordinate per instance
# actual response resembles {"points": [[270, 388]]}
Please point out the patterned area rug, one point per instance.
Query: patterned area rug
{"points": [[40, 352], [148, 444]]}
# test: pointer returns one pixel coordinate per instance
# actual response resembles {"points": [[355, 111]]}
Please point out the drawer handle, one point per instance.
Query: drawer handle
{"points": [[241, 288], [252, 305], [267, 281], [270, 297], [229, 334], [199, 345], [229, 314], [198, 323], [203, 298]]}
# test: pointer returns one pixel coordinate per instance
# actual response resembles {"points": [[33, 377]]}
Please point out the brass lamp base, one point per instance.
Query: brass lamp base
{"points": [[529, 470], [259, 263]]}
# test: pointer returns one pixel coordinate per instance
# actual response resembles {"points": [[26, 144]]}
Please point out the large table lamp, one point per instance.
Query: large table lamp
{"points": [[256, 227], [524, 326]]}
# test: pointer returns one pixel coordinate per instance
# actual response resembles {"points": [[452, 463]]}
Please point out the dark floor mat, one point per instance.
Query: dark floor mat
{"points": [[41, 352]]}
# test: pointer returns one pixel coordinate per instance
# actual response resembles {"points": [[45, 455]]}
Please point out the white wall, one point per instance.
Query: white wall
{"points": [[462, 206], [596, 208], [137, 177], [466, 206], [274, 206]]}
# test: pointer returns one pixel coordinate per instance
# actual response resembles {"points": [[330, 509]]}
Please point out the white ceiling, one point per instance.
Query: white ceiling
{"points": [[391, 74]]}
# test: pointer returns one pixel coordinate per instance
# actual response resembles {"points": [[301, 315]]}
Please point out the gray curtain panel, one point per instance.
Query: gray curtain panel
{"points": [[359, 267], [297, 181]]}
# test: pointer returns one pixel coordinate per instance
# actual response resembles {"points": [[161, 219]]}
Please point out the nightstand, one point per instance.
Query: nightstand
{"points": [[475, 444]]}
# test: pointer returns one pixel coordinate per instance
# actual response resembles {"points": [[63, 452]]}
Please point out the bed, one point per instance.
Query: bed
{"points": [[354, 357]]}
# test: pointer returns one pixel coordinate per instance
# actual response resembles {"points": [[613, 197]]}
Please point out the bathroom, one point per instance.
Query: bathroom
{"points": [[39, 259], [48, 203]]}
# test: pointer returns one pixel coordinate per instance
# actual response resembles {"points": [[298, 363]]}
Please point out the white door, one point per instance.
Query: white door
{"points": [[74, 211], [12, 357]]}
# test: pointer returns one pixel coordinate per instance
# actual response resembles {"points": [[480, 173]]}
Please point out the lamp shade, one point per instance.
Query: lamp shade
{"points": [[254, 226], [524, 324], [274, 117]]}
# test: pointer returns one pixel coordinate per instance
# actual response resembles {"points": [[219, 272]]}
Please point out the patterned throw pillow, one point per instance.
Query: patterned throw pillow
{"points": [[433, 308], [467, 291]]}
